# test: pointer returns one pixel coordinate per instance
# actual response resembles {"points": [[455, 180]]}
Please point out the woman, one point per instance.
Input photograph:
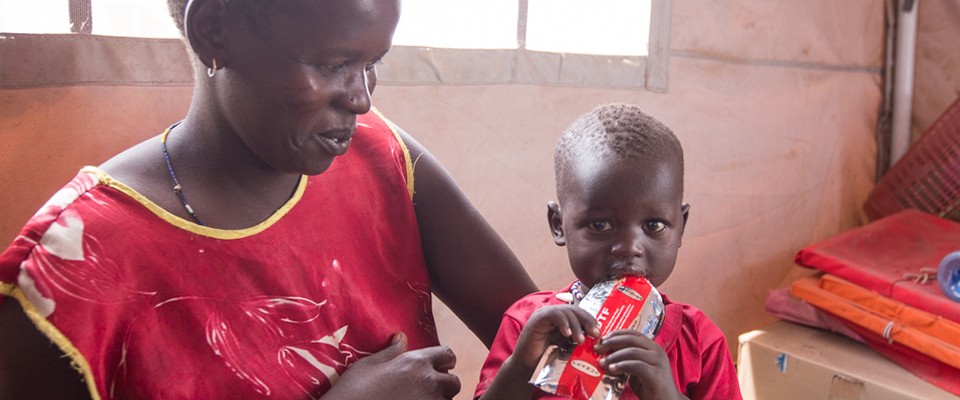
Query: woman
{"points": [[281, 241]]}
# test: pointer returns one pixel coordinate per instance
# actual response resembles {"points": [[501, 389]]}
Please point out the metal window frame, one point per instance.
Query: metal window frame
{"points": [[403, 66], [409, 65]]}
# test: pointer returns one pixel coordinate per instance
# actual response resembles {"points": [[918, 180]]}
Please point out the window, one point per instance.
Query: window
{"points": [[140, 18], [466, 24], [36, 16], [603, 27], [596, 43]]}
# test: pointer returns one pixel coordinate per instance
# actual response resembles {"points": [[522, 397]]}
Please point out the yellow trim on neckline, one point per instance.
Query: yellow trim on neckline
{"points": [[189, 226], [406, 151]]}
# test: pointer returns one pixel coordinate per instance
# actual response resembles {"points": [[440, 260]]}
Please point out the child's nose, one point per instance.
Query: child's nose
{"points": [[629, 245]]}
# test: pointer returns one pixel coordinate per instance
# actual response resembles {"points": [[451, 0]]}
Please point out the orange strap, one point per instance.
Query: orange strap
{"points": [[924, 332]]}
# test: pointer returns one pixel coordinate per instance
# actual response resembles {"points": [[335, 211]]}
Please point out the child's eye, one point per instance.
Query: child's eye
{"points": [[655, 226], [601, 226]]}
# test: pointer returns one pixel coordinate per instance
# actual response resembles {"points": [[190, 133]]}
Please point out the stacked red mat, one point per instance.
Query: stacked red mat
{"points": [[878, 286]]}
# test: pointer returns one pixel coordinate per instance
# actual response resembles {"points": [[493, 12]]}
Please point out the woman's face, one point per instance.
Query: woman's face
{"points": [[293, 81]]}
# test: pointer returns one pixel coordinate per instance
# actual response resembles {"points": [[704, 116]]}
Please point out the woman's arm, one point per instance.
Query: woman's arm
{"points": [[471, 268], [31, 367]]}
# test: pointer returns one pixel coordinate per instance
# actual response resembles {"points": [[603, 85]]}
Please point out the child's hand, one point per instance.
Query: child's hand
{"points": [[629, 352], [549, 325]]}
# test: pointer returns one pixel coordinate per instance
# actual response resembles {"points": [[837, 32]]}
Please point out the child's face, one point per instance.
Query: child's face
{"points": [[620, 217]]}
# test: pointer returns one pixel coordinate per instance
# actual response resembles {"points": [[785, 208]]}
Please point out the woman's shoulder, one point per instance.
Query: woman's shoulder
{"points": [[92, 201], [86, 184], [55, 222], [137, 168]]}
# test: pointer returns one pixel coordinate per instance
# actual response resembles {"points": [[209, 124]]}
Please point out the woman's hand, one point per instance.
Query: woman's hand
{"points": [[395, 373], [547, 326], [630, 353]]}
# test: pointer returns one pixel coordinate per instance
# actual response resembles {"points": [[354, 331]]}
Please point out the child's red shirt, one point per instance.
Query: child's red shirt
{"points": [[697, 349]]}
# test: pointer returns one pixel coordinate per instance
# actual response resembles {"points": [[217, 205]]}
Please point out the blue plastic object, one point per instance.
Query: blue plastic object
{"points": [[948, 275]]}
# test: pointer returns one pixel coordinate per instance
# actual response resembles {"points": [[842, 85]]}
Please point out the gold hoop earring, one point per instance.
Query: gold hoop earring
{"points": [[212, 70]]}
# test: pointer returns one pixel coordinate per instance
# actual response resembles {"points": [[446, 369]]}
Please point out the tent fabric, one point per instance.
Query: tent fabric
{"points": [[936, 81], [56, 60]]}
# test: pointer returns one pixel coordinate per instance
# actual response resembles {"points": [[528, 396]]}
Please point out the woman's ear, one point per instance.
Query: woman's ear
{"points": [[204, 27], [556, 223]]}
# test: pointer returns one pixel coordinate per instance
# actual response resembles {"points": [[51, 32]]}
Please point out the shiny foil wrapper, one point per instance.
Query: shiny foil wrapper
{"points": [[572, 370]]}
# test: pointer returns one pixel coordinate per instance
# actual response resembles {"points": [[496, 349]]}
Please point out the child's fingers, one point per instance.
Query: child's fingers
{"points": [[582, 323], [629, 355], [629, 367], [622, 339], [562, 319], [627, 352], [572, 323], [587, 322], [647, 380], [646, 368], [566, 320]]}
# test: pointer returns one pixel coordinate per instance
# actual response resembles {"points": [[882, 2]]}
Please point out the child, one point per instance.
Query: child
{"points": [[620, 187]]}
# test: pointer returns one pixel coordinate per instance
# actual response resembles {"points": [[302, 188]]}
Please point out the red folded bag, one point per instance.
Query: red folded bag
{"points": [[896, 256]]}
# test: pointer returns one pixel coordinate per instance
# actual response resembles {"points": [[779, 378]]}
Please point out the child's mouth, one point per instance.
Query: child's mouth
{"points": [[619, 273]]}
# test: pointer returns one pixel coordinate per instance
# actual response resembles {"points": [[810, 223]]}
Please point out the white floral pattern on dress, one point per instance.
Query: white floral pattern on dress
{"points": [[68, 259], [255, 337], [44, 306], [279, 344], [62, 239]]}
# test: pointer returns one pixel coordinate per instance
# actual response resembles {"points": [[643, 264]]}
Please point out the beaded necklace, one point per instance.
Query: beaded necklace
{"points": [[573, 296], [177, 188], [576, 291]]}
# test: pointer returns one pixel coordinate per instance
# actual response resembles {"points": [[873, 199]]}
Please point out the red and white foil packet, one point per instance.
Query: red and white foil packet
{"points": [[629, 302]]}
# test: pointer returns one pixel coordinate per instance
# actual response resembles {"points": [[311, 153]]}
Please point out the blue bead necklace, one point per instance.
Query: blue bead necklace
{"points": [[177, 188], [576, 291]]}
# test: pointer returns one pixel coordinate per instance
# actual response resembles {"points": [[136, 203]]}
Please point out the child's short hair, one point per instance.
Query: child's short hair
{"points": [[619, 130]]}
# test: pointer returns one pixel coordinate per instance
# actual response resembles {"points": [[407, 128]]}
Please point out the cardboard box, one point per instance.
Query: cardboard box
{"points": [[786, 361]]}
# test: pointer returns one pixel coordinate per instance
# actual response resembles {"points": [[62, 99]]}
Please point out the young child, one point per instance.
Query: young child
{"points": [[620, 211]]}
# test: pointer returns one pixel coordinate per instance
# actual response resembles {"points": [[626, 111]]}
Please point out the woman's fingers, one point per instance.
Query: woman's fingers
{"points": [[442, 357], [401, 374]]}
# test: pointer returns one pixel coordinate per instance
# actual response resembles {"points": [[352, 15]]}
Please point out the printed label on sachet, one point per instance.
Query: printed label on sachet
{"points": [[629, 302]]}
